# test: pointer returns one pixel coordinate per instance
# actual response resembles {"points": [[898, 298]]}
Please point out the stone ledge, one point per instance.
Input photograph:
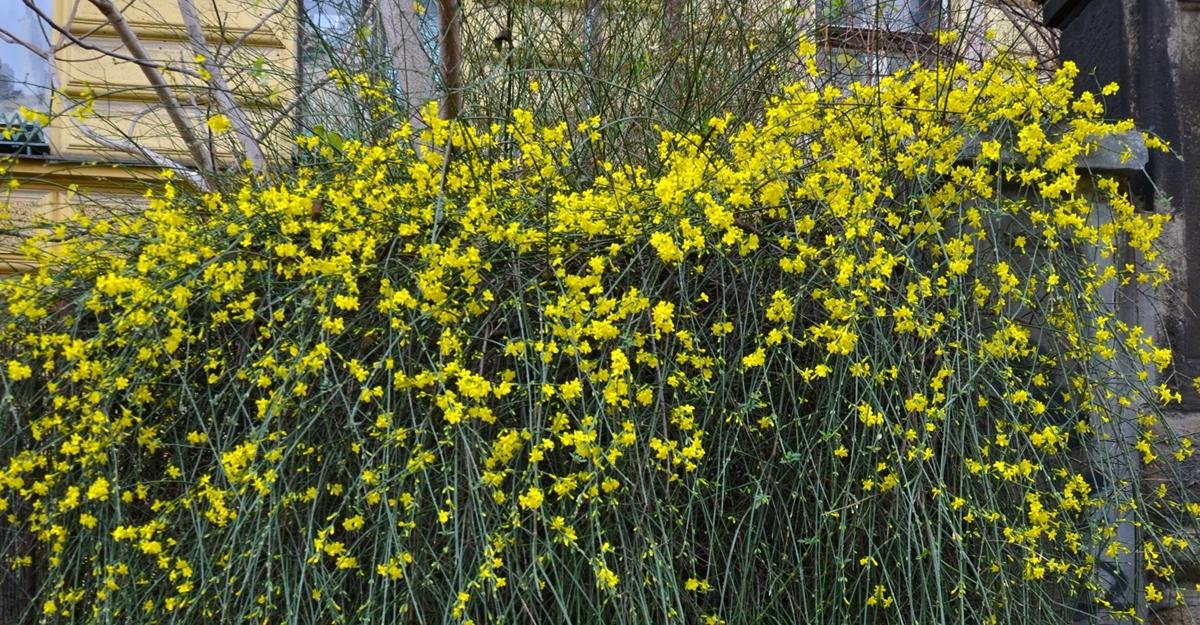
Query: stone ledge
{"points": [[1168, 613], [1057, 13], [1105, 158]]}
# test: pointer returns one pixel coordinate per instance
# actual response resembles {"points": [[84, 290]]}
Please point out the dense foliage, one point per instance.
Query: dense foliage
{"points": [[856, 361]]}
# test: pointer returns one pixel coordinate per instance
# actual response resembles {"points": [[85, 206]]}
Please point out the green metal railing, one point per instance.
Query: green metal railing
{"points": [[18, 136]]}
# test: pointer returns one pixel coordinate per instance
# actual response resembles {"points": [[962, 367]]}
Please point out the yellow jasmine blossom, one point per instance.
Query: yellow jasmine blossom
{"points": [[219, 124]]}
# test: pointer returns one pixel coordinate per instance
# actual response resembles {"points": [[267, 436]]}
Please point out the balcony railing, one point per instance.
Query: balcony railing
{"points": [[21, 137]]}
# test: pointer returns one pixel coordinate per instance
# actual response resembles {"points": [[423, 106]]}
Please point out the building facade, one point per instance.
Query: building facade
{"points": [[81, 122], [82, 127], [1151, 48]]}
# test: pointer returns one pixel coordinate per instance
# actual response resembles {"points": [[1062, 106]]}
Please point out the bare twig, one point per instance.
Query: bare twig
{"points": [[671, 40], [1026, 19], [148, 154], [222, 95], [237, 43], [8, 37], [594, 35], [174, 110], [142, 62], [402, 32]]}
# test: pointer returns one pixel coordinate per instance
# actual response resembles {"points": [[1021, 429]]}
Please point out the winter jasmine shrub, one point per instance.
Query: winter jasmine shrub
{"points": [[827, 366]]}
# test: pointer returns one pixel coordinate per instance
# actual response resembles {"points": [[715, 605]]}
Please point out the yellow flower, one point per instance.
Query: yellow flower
{"points": [[663, 318], [605, 578], [31, 115], [532, 498], [571, 390], [564, 534], [18, 371], [755, 359], [98, 490], [666, 247], [219, 124], [869, 416], [880, 597]]}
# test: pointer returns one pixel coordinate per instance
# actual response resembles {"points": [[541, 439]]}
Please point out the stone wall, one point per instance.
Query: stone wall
{"points": [[1151, 48]]}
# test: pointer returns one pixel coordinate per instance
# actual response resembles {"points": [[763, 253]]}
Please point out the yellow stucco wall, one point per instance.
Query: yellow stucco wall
{"points": [[254, 39], [123, 105]]}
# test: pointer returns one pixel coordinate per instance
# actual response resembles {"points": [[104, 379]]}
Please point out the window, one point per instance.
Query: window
{"points": [[865, 40], [886, 15], [24, 79], [346, 35]]}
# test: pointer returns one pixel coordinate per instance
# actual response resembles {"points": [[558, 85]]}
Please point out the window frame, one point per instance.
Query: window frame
{"points": [[882, 48], [889, 15], [315, 55], [19, 133]]}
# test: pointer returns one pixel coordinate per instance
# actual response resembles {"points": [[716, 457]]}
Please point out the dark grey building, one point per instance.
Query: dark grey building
{"points": [[1151, 48]]}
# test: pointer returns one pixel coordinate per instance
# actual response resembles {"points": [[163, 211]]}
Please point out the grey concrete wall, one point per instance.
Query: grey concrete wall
{"points": [[1151, 48]]}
